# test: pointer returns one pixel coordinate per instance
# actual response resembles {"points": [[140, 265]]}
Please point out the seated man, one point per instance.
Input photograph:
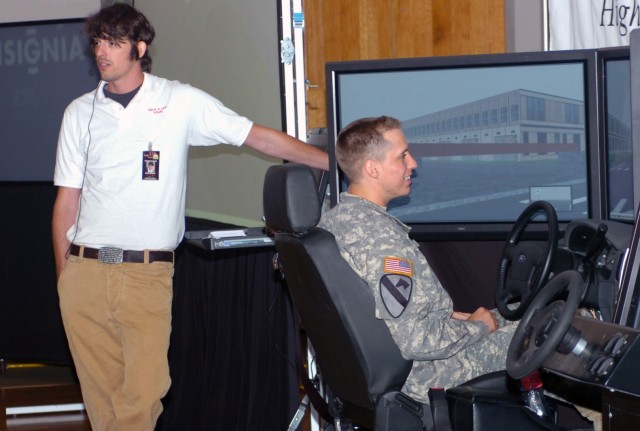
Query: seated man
{"points": [[447, 347]]}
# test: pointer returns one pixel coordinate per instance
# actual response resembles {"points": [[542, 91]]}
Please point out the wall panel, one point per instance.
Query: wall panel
{"points": [[337, 30]]}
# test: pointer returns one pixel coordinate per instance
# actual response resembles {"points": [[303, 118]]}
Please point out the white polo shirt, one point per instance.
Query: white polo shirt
{"points": [[100, 150]]}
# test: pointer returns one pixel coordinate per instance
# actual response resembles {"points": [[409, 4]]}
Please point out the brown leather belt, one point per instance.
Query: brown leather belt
{"points": [[117, 255]]}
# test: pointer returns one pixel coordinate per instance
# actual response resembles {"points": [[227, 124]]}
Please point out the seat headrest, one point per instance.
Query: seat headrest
{"points": [[290, 198]]}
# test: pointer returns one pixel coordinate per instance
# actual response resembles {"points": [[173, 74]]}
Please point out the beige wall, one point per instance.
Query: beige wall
{"points": [[524, 25], [37, 10], [230, 49]]}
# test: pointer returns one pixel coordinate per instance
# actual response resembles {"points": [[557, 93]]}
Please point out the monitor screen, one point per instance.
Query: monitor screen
{"points": [[490, 133], [614, 66], [43, 67]]}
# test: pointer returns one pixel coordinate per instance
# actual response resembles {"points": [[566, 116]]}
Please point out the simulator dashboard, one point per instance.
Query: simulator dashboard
{"points": [[494, 133]]}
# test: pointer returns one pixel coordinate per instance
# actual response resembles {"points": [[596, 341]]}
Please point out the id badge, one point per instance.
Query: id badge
{"points": [[151, 165]]}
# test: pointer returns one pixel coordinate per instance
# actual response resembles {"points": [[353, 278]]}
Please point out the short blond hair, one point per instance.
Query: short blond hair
{"points": [[361, 140]]}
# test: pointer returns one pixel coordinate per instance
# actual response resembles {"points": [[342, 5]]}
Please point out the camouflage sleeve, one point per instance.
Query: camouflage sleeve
{"points": [[413, 303], [408, 295]]}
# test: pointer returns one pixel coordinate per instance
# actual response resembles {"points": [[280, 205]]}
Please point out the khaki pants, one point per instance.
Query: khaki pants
{"points": [[117, 318]]}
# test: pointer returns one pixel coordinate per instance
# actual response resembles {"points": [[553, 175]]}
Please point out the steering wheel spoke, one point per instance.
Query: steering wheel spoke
{"points": [[544, 324], [525, 266]]}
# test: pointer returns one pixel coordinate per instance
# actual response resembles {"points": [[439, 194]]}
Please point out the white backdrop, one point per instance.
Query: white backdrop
{"points": [[578, 24]]}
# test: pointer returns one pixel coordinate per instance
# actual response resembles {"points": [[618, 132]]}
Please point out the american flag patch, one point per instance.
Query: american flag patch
{"points": [[396, 265]]}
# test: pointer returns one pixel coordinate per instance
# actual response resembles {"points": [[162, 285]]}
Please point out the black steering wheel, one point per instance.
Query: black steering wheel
{"points": [[544, 324], [525, 267]]}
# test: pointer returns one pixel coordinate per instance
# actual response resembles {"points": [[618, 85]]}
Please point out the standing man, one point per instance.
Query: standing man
{"points": [[447, 347], [119, 214]]}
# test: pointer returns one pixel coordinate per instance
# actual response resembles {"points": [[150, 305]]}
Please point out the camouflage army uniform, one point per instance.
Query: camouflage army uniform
{"points": [[411, 300]]}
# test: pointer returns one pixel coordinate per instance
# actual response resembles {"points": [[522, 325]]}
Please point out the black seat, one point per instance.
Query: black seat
{"points": [[356, 355]]}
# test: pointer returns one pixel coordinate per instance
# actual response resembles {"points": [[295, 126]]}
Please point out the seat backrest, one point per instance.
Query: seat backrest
{"points": [[356, 355]]}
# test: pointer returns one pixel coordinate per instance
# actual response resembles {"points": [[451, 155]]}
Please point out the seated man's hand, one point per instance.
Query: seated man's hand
{"points": [[481, 314]]}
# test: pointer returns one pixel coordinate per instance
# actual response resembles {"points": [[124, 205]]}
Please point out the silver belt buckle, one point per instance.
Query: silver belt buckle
{"points": [[110, 255]]}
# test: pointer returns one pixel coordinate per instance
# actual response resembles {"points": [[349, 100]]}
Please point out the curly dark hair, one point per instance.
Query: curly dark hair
{"points": [[118, 23]]}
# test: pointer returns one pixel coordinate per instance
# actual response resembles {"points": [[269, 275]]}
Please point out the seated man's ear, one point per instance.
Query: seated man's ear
{"points": [[371, 168]]}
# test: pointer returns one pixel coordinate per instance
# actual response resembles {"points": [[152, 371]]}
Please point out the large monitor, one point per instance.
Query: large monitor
{"points": [[614, 101], [491, 133]]}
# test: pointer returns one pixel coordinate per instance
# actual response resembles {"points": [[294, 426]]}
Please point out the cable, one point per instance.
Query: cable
{"points": [[84, 173]]}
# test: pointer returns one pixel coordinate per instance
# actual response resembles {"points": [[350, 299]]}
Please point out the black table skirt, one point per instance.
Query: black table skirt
{"points": [[232, 354]]}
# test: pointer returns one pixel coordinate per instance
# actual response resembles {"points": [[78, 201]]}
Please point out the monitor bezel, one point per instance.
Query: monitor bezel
{"points": [[604, 55]]}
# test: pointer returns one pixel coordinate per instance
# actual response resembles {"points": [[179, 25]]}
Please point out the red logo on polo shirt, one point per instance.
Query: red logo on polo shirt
{"points": [[157, 110]]}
